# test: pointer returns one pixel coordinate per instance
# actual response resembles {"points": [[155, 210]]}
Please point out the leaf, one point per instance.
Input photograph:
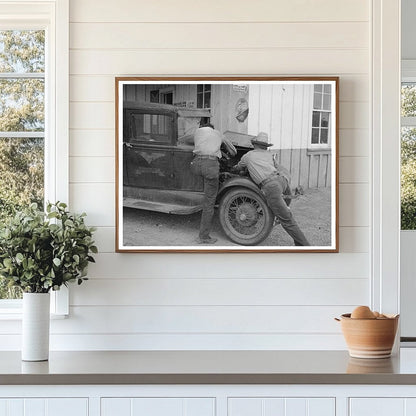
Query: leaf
{"points": [[56, 261], [7, 262], [94, 249]]}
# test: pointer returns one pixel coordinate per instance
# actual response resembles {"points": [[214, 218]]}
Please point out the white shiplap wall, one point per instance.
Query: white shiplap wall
{"points": [[218, 301]]}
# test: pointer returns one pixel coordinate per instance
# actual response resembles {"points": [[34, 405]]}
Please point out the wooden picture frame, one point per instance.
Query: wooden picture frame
{"points": [[159, 198]]}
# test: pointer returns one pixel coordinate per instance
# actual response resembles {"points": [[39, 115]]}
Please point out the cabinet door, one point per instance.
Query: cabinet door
{"points": [[146, 406], [376, 406], [44, 407], [271, 406]]}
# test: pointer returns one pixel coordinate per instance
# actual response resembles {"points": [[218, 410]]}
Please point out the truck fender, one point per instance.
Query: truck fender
{"points": [[239, 181]]}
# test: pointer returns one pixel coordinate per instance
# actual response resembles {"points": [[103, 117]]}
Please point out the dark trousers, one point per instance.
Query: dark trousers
{"points": [[273, 191], [209, 170]]}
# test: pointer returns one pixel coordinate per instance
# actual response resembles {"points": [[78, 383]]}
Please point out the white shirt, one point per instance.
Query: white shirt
{"points": [[207, 142]]}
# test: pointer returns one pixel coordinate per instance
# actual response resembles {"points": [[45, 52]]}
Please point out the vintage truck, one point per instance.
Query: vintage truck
{"points": [[157, 152]]}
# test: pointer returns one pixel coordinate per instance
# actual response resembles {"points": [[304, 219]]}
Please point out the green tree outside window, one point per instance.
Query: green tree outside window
{"points": [[408, 157], [22, 124]]}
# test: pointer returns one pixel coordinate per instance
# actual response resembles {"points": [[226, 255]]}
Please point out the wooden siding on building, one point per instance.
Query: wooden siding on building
{"points": [[284, 112]]}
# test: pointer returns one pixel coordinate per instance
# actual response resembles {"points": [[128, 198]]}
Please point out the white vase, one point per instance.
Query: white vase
{"points": [[35, 326]]}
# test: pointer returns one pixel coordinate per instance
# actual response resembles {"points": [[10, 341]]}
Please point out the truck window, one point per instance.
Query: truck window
{"points": [[152, 128]]}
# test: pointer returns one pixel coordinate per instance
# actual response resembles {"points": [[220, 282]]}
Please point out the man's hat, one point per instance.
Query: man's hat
{"points": [[262, 139]]}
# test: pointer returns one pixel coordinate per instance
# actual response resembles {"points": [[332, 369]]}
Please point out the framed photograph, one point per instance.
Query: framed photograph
{"points": [[235, 164]]}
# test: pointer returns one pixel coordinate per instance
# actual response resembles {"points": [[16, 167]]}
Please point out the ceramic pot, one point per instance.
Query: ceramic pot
{"points": [[35, 326], [369, 338]]}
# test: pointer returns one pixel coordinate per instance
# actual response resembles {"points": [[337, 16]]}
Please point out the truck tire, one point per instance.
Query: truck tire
{"points": [[245, 217]]}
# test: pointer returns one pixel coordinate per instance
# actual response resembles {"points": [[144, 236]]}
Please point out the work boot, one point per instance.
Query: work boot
{"points": [[209, 240]]}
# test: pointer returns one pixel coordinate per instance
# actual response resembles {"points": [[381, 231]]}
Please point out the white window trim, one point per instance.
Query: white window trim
{"points": [[52, 15], [385, 150]]}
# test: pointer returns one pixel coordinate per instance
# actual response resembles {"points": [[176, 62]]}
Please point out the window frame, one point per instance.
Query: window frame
{"points": [[53, 17], [203, 94], [320, 111]]}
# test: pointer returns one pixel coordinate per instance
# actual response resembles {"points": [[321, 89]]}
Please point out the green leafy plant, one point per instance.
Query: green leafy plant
{"points": [[43, 251]]}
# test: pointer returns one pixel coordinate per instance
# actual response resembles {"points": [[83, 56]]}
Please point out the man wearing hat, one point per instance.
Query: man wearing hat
{"points": [[274, 181]]}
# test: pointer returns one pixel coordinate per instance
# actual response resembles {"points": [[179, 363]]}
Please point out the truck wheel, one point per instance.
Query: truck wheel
{"points": [[245, 217]]}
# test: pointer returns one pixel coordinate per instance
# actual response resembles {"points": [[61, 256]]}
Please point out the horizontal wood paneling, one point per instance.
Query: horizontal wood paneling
{"points": [[92, 88], [267, 265], [354, 170], [104, 238], [99, 88], [218, 11], [233, 62], [92, 115], [220, 291], [354, 142], [354, 115], [94, 143], [200, 319], [96, 199], [90, 169], [352, 239], [354, 200], [221, 35]]}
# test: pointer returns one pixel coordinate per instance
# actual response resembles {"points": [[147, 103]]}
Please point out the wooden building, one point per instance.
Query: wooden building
{"points": [[295, 116]]}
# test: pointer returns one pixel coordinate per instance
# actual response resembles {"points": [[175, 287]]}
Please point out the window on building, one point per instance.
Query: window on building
{"points": [[22, 124], [321, 115], [203, 96], [408, 155], [33, 114]]}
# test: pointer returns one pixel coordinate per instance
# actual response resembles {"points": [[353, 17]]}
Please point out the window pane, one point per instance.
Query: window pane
{"points": [[22, 51], [199, 100], [317, 88], [149, 128], [207, 101], [22, 104], [21, 174], [408, 144], [207, 87], [316, 119], [408, 178], [327, 102], [324, 119], [315, 136], [317, 101], [199, 88], [327, 89], [324, 136], [408, 100]]}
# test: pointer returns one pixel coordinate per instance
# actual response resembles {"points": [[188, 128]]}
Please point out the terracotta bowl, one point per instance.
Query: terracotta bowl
{"points": [[369, 338]]}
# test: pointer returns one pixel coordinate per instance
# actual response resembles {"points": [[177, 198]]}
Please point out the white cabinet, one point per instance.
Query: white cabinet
{"points": [[160, 406], [44, 407], [382, 406], [271, 406]]}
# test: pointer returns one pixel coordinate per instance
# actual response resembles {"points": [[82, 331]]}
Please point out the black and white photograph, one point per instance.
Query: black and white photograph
{"points": [[227, 164]]}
